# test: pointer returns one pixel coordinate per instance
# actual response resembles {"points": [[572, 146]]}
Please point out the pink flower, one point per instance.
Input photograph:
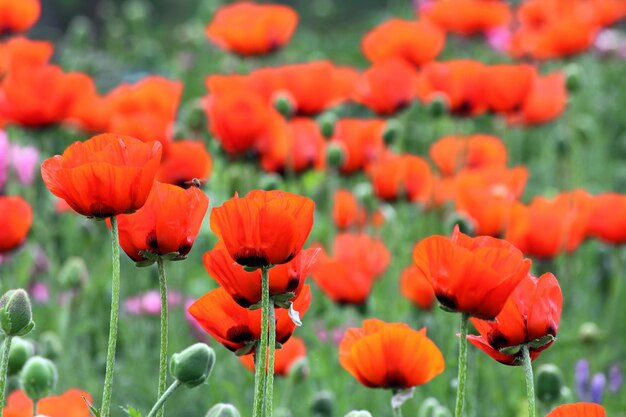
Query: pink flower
{"points": [[499, 39], [39, 292], [25, 161], [4, 159]]}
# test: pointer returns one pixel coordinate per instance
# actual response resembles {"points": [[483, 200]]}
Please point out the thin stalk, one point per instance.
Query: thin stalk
{"points": [[460, 393], [396, 411], [4, 366], [530, 382], [34, 407], [115, 303], [260, 374], [269, 390], [166, 395], [164, 332]]}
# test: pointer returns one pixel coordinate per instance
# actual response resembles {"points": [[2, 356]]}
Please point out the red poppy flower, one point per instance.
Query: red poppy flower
{"points": [[348, 276], [20, 51], [347, 211], [146, 110], [545, 102], [104, 176], [489, 196], [451, 154], [460, 82], [507, 86], [247, 28], [608, 218], [578, 410], [15, 222], [389, 355], [397, 176], [471, 275], [415, 286], [20, 93], [238, 120], [531, 317], [387, 86], [183, 161], [290, 353], [416, 42], [547, 227], [305, 148], [468, 17], [236, 327], [72, 403], [264, 227], [362, 140], [18, 16], [245, 287], [168, 223], [90, 111]]}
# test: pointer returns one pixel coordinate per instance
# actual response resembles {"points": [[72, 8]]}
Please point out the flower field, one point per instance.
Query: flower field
{"points": [[403, 208]]}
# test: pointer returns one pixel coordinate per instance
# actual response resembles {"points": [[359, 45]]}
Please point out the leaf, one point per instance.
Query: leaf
{"points": [[94, 411], [132, 412]]}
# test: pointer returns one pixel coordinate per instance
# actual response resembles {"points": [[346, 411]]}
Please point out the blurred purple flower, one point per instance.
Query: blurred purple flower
{"points": [[132, 305], [598, 382], [499, 39], [4, 159], [25, 160], [616, 379], [39, 292], [581, 377], [150, 302]]}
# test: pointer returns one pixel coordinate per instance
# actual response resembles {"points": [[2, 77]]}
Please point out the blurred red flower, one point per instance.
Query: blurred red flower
{"points": [[416, 287], [467, 17], [290, 353], [608, 218], [183, 161], [15, 222], [402, 176], [452, 154], [72, 403], [18, 16], [362, 141], [578, 410], [347, 212]]}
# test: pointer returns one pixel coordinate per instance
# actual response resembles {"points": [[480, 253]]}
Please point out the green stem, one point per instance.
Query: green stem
{"points": [[164, 332], [261, 360], [4, 366], [115, 302], [269, 394], [397, 411], [166, 395], [530, 382], [460, 393], [34, 407]]}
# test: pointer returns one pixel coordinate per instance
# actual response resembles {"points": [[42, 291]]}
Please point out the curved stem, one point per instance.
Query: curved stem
{"points": [[4, 366], [166, 395], [530, 382], [115, 302], [269, 394], [260, 371], [164, 332], [460, 393]]}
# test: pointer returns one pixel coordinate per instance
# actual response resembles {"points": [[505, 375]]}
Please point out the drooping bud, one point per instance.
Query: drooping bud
{"points": [[38, 378], [21, 351], [589, 333], [359, 413], [549, 383], [50, 345], [283, 103], [193, 365], [323, 404], [428, 407], [327, 123], [439, 105], [335, 154], [392, 131], [16, 313], [573, 78], [442, 411], [73, 273], [299, 370], [223, 410]]}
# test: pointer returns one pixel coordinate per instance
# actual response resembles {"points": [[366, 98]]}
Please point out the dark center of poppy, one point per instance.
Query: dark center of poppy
{"points": [[152, 242], [240, 334], [394, 378], [101, 210], [251, 257], [447, 301]]}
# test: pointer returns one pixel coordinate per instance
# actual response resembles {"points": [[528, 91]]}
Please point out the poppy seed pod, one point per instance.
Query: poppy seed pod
{"points": [[392, 131], [223, 410], [16, 313], [193, 365], [573, 78], [335, 155], [549, 383], [359, 413], [21, 351], [438, 105], [323, 404], [38, 378], [327, 123], [284, 104]]}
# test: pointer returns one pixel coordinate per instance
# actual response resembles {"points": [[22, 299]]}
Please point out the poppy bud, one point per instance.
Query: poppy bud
{"points": [[327, 123], [335, 155], [439, 105], [16, 313], [589, 333], [299, 370], [21, 351], [38, 377], [549, 383], [359, 413], [73, 273], [283, 103], [442, 411], [193, 365], [323, 404], [270, 182], [573, 78], [223, 410], [466, 225], [392, 131], [50, 345], [428, 407]]}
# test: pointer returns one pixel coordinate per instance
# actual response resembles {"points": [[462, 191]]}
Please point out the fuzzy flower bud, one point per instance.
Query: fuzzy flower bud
{"points": [[38, 378], [193, 365], [16, 313]]}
